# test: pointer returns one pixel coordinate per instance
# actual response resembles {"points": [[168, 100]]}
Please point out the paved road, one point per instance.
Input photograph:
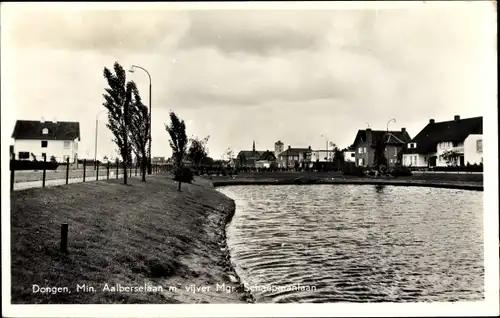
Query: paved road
{"points": [[57, 182]]}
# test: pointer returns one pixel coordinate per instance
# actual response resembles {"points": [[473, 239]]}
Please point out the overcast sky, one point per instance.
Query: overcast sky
{"points": [[244, 75]]}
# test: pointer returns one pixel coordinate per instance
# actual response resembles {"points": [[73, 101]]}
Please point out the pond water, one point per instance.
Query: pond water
{"points": [[357, 243]]}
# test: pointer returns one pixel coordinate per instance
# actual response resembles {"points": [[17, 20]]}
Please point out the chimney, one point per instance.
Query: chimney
{"points": [[42, 120], [431, 121], [403, 129], [55, 120], [289, 147], [369, 136], [457, 118]]}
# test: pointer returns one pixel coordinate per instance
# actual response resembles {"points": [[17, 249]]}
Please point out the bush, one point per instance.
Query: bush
{"points": [[183, 174], [351, 170], [401, 171]]}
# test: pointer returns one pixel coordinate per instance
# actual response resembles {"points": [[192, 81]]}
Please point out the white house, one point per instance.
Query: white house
{"points": [[36, 139], [350, 156], [450, 143], [473, 149], [322, 155]]}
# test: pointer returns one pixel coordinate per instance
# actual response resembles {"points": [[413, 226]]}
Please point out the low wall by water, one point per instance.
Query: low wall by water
{"points": [[474, 186]]}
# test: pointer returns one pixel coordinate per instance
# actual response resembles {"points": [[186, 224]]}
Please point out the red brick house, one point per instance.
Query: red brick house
{"points": [[364, 145]]}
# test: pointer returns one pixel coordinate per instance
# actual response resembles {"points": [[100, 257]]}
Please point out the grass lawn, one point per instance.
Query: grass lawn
{"points": [[127, 234]]}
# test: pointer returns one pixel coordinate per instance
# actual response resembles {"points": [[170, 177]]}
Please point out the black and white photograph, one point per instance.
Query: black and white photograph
{"points": [[249, 159]]}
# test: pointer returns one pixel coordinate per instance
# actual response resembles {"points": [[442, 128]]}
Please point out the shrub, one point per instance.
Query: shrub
{"points": [[183, 174], [351, 170], [401, 171]]}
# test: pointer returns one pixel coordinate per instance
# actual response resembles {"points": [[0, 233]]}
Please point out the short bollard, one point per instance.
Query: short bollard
{"points": [[84, 168], [64, 238], [107, 172], [44, 170], [67, 170]]}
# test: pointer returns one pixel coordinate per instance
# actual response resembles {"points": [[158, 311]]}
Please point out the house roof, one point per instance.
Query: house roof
{"points": [[32, 129], [452, 131], [390, 137], [294, 151], [256, 155]]}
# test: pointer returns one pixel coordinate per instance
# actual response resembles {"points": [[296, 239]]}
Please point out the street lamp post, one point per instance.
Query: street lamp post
{"points": [[387, 130], [326, 159], [96, 130], [149, 155]]}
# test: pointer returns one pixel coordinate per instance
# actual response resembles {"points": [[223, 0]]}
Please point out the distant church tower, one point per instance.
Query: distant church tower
{"points": [[253, 147], [278, 148]]}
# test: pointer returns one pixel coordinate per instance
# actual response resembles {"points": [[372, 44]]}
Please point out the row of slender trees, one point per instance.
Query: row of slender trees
{"points": [[129, 121], [128, 118]]}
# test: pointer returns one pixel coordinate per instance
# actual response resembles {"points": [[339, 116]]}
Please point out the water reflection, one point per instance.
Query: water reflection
{"points": [[379, 188], [354, 244]]}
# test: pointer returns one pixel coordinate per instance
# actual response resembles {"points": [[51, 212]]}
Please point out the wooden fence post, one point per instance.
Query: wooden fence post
{"points": [[97, 171], [107, 173], [84, 168], [12, 171], [64, 238], [117, 164], [44, 170], [67, 169]]}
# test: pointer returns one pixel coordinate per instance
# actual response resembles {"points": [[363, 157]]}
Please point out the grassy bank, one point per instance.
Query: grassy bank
{"points": [[142, 233]]}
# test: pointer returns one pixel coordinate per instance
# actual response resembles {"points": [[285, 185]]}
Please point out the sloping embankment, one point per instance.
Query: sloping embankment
{"points": [[140, 237]]}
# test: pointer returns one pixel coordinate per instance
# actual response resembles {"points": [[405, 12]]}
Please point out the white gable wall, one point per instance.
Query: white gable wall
{"points": [[472, 153], [54, 148]]}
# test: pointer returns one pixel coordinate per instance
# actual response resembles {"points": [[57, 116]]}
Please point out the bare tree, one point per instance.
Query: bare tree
{"points": [[117, 100]]}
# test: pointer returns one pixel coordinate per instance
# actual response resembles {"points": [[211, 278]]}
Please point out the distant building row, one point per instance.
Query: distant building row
{"points": [[457, 142]]}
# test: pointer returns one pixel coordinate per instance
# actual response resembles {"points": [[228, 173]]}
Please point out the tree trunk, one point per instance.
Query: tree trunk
{"points": [[125, 172], [143, 168], [179, 185]]}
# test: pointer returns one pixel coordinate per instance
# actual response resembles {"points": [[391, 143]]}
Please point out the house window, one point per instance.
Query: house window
{"points": [[24, 155], [479, 145], [66, 144], [395, 151], [360, 150], [281, 157], [44, 143], [353, 155], [45, 131], [360, 161], [415, 158]]}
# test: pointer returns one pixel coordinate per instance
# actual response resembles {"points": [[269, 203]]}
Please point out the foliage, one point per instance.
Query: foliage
{"points": [[118, 100], [379, 153], [139, 132], [183, 174], [466, 168], [53, 159], [401, 171], [178, 140], [352, 170], [198, 150], [450, 157], [338, 158]]}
